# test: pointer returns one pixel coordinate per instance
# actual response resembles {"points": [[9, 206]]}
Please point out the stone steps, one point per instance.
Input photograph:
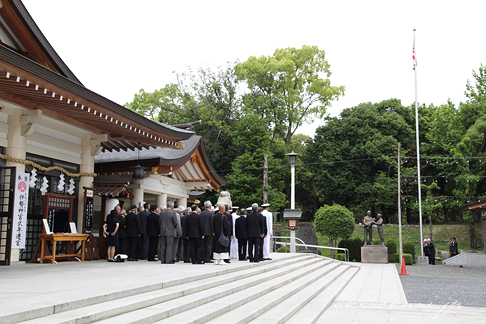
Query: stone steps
{"points": [[112, 305], [267, 292], [200, 303]]}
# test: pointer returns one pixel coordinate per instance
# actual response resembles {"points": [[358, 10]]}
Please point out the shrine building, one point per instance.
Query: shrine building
{"points": [[67, 150]]}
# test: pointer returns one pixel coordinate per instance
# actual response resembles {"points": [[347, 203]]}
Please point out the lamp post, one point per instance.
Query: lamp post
{"points": [[292, 159]]}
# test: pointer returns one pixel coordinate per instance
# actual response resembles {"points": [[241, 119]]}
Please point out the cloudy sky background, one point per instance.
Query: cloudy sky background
{"points": [[118, 47]]}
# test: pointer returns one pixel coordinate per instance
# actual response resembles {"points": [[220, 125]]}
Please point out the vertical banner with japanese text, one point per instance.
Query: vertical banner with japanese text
{"points": [[19, 221]]}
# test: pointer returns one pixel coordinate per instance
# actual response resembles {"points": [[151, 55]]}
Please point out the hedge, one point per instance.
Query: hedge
{"points": [[394, 258], [410, 249]]}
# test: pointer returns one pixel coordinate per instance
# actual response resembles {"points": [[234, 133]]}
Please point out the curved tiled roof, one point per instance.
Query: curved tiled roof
{"points": [[168, 156], [165, 156]]}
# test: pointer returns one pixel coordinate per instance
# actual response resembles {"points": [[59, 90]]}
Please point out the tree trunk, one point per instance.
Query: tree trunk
{"points": [[472, 233], [333, 252]]}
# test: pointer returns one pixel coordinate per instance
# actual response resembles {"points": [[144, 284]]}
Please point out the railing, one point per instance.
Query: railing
{"points": [[346, 251]]}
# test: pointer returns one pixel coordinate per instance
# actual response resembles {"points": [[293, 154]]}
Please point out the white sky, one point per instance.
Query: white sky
{"points": [[118, 47]]}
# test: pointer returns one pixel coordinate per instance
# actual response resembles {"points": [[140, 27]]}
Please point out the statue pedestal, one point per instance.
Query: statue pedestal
{"points": [[374, 254]]}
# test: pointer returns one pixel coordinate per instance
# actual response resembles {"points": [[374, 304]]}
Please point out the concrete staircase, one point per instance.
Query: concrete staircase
{"points": [[467, 260], [291, 290]]}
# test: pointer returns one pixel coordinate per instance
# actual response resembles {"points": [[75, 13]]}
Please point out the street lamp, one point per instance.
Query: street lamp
{"points": [[292, 159]]}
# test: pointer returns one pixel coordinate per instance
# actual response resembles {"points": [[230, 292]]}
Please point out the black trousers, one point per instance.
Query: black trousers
{"points": [[132, 247], [242, 248], [122, 246], [186, 250], [152, 248], [196, 249], [432, 258], [260, 249], [142, 246], [253, 247], [207, 248]]}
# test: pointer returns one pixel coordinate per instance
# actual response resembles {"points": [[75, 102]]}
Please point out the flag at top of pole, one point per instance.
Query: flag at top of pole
{"points": [[413, 56], [418, 143]]}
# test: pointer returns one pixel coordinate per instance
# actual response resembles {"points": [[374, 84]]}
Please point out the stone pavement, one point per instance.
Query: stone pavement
{"points": [[374, 295]]}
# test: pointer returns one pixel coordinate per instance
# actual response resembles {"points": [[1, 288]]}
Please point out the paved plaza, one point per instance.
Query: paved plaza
{"points": [[374, 295]]}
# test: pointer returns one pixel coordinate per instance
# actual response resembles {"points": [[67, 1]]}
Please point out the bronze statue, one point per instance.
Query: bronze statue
{"points": [[368, 227], [379, 224]]}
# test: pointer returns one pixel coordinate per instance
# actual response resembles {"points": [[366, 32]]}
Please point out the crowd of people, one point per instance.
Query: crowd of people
{"points": [[172, 233]]}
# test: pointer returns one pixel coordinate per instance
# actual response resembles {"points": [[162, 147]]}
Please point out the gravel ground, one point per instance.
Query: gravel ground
{"points": [[442, 285]]}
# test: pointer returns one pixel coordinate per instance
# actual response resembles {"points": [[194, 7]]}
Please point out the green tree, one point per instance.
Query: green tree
{"points": [[335, 222], [350, 156], [289, 87], [245, 182]]}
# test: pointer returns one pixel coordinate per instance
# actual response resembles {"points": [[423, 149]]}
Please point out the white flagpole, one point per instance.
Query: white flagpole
{"points": [[418, 145]]}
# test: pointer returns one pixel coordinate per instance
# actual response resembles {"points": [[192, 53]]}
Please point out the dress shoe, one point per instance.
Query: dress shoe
{"points": [[171, 262], [209, 261], [267, 259], [227, 260]]}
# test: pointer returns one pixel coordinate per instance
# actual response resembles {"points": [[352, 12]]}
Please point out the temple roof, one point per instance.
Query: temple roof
{"points": [[190, 164]]}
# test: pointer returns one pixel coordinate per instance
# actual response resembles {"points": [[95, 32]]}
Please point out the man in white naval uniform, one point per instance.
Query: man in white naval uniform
{"points": [[267, 241], [234, 240]]}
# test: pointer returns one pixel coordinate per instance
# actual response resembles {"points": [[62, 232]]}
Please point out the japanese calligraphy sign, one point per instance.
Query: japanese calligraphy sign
{"points": [[21, 198]]}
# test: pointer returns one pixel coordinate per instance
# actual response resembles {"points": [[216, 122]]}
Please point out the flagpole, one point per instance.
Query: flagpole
{"points": [[418, 145]]}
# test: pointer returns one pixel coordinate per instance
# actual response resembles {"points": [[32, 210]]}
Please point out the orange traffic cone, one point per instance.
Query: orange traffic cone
{"points": [[404, 269]]}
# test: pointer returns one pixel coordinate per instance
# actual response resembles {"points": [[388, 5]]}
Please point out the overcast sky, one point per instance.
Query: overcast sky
{"points": [[118, 47]]}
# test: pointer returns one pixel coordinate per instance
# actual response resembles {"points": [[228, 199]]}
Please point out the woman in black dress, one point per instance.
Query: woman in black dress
{"points": [[220, 222], [110, 229]]}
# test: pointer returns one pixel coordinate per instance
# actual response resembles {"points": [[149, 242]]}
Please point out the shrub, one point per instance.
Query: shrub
{"points": [[393, 258], [392, 247], [335, 222], [355, 250], [410, 249], [340, 257], [283, 249], [344, 243], [408, 258]]}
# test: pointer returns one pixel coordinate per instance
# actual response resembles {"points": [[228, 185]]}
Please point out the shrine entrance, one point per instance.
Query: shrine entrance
{"points": [[7, 188]]}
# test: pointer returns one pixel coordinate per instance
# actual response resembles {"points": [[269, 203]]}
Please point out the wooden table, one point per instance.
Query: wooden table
{"points": [[61, 238]]}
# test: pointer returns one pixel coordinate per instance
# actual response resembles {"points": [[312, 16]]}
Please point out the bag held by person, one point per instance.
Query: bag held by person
{"points": [[223, 239]]}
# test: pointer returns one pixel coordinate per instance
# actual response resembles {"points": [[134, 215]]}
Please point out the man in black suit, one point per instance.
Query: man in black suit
{"points": [[186, 254], [241, 235], [132, 223], [153, 232], [260, 247], [142, 248], [194, 230], [254, 229], [207, 219]]}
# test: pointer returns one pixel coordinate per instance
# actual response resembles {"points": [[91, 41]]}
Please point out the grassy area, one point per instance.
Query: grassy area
{"points": [[410, 233]]}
